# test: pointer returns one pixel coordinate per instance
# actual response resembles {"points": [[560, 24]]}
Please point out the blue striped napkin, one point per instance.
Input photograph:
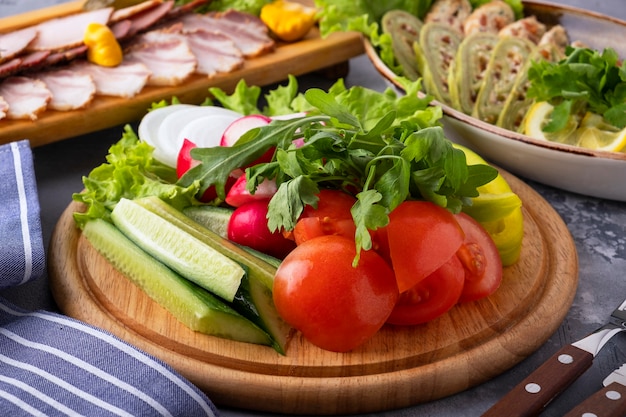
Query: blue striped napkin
{"points": [[53, 365], [22, 252]]}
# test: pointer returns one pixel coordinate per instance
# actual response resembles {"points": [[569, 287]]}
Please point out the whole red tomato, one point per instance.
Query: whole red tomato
{"points": [[335, 305]]}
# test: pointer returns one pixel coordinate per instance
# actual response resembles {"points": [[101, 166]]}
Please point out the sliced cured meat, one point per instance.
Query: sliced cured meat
{"points": [[145, 20], [4, 108], [243, 30], [65, 56], [121, 29], [70, 90], [13, 43], [186, 8], [25, 96], [215, 52], [130, 11], [10, 67], [170, 62], [33, 59], [126, 80], [66, 32]]}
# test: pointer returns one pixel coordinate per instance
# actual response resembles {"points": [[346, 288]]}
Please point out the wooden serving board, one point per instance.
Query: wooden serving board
{"points": [[400, 366], [305, 56]]}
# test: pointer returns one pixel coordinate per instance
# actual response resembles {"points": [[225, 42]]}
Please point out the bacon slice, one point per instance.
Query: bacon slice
{"points": [[126, 80], [25, 96], [145, 20], [244, 30], [4, 108], [68, 31], [170, 62], [70, 90], [10, 67], [130, 11], [13, 43], [215, 52]]}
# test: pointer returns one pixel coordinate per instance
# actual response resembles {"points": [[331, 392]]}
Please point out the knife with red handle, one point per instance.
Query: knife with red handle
{"points": [[533, 394], [607, 402]]}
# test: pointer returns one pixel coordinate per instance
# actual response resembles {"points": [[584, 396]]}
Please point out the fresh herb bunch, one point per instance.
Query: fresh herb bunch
{"points": [[586, 80], [380, 147]]}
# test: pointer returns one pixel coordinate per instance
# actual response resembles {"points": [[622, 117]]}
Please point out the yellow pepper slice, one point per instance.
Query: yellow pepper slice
{"points": [[289, 21], [499, 210], [103, 48]]}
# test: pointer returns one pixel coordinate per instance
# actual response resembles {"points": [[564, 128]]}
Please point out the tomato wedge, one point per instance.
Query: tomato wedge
{"points": [[431, 297], [481, 260], [422, 236]]}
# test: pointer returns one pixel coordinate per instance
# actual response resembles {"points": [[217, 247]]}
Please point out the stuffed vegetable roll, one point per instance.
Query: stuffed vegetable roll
{"points": [[490, 17], [468, 69], [435, 52], [452, 12], [507, 61], [404, 29]]}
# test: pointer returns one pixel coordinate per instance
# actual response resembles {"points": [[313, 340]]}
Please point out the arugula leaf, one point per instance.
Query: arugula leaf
{"points": [[586, 80]]}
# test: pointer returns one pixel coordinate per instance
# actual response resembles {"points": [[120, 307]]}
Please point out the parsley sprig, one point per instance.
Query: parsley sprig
{"points": [[381, 147]]}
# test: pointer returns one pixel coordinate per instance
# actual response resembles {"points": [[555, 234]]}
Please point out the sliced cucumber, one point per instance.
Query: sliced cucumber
{"points": [[213, 218], [193, 306], [255, 296], [178, 249], [216, 218]]}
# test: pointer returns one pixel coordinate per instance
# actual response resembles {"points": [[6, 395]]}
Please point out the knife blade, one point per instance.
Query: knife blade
{"points": [[607, 402], [533, 394]]}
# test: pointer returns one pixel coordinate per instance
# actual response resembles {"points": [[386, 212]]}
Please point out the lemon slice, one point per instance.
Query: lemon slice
{"points": [[539, 116], [601, 139]]}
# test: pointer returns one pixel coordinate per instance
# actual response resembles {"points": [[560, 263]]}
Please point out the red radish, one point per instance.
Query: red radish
{"points": [[185, 162], [242, 125], [238, 195], [248, 227]]}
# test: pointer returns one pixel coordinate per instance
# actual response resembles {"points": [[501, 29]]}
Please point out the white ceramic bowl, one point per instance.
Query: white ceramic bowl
{"points": [[593, 173]]}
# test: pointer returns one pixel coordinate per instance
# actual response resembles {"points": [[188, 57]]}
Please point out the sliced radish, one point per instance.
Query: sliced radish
{"points": [[238, 195], [242, 125]]}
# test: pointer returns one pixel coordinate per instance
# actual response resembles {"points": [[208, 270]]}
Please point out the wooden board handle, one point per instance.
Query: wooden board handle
{"points": [[531, 395]]}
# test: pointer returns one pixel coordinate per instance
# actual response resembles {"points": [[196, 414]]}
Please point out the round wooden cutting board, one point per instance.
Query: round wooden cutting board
{"points": [[399, 367]]}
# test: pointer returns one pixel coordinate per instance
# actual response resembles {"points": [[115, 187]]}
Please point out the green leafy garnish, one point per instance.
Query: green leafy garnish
{"points": [[586, 80], [381, 147]]}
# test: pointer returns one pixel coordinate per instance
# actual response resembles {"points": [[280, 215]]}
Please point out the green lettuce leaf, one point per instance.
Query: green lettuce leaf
{"points": [[130, 172]]}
